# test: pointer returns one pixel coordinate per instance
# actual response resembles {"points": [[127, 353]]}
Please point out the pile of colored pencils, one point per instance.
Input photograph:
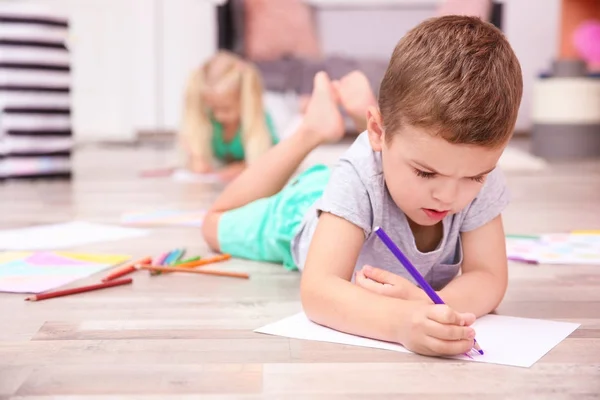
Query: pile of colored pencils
{"points": [[168, 262]]}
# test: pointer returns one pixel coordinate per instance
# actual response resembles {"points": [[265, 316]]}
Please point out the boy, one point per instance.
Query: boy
{"points": [[424, 170]]}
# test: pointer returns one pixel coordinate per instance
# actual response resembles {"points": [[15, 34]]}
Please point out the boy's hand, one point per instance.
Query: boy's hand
{"points": [[388, 284], [436, 330]]}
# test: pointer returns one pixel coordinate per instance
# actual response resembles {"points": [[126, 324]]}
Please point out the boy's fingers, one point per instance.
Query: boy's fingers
{"points": [[445, 315], [447, 347], [468, 318], [448, 332], [381, 275], [368, 284]]}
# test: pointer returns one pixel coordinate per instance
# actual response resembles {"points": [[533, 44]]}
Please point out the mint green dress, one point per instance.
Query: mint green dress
{"points": [[234, 149]]}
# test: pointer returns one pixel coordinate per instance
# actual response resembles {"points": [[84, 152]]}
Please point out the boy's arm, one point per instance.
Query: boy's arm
{"points": [[330, 299], [328, 296], [482, 284]]}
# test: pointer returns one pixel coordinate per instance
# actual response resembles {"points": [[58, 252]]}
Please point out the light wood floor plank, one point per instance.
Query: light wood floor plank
{"points": [[186, 337]]}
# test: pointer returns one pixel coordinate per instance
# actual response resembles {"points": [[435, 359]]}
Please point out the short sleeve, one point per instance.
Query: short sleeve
{"points": [[488, 204], [347, 197]]}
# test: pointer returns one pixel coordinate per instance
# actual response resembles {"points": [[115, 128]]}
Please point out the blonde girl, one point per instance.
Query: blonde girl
{"points": [[225, 126]]}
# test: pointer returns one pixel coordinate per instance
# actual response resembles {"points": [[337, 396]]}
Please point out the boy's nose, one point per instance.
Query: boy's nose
{"points": [[445, 193]]}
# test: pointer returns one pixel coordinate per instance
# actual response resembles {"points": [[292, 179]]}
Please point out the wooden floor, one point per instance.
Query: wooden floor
{"points": [[186, 336]]}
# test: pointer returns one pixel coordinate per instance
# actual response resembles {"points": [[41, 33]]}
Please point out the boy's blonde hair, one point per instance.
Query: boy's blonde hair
{"points": [[457, 76], [225, 73]]}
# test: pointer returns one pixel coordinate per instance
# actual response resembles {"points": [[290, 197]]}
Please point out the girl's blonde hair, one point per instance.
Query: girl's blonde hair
{"points": [[225, 72]]}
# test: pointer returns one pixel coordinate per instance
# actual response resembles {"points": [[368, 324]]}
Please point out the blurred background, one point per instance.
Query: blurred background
{"points": [[119, 67]]}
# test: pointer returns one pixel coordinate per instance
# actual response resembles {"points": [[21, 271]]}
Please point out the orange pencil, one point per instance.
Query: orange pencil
{"points": [[125, 269], [161, 268], [204, 261], [82, 289]]}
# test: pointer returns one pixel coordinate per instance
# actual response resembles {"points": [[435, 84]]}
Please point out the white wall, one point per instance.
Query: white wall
{"points": [[532, 27], [130, 61], [131, 58]]}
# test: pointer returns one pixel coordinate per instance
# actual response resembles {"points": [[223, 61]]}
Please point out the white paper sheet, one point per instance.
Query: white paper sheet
{"points": [[519, 342], [60, 236], [184, 175]]}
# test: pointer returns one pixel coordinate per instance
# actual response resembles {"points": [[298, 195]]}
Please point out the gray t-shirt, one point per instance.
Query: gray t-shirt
{"points": [[357, 192]]}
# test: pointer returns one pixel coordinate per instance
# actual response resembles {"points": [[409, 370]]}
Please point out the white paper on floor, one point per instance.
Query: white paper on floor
{"points": [[65, 235], [184, 175], [519, 342]]}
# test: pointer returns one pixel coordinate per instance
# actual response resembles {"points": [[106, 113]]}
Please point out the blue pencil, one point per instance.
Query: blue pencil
{"points": [[172, 257], [413, 272]]}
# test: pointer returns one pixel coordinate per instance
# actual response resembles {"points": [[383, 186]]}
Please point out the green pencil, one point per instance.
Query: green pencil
{"points": [[188, 260]]}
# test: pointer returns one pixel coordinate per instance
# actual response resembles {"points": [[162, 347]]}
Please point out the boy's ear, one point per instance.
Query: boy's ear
{"points": [[375, 129]]}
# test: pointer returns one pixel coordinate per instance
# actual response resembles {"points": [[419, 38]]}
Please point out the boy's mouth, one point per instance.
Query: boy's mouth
{"points": [[435, 215]]}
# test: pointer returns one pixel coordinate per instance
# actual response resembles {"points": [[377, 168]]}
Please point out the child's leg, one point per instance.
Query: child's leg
{"points": [[356, 96], [268, 175]]}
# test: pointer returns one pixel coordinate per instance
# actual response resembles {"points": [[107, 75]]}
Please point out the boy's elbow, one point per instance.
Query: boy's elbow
{"points": [[501, 292], [497, 292], [309, 297]]}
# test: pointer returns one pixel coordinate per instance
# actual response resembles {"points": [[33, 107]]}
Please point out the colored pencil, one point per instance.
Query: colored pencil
{"points": [[177, 263], [168, 260], [413, 272], [188, 260], [82, 289], [125, 269], [165, 261], [522, 260], [178, 257], [172, 253], [242, 275], [161, 259], [205, 261]]}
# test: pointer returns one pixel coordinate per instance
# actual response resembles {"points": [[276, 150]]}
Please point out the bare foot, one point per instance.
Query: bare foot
{"points": [[322, 117], [356, 97], [303, 103]]}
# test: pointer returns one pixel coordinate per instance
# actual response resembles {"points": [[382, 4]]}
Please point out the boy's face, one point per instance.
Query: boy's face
{"points": [[428, 177]]}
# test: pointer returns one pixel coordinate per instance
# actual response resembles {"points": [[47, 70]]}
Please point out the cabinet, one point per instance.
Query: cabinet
{"points": [[130, 61]]}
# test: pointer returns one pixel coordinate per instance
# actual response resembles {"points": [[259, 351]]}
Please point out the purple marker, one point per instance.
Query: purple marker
{"points": [[522, 260], [413, 272]]}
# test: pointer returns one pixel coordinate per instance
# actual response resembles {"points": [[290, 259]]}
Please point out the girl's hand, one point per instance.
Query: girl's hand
{"points": [[388, 284], [231, 171], [198, 166], [436, 330]]}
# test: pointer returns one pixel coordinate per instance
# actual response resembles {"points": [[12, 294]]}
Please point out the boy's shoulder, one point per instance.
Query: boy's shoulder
{"points": [[360, 155]]}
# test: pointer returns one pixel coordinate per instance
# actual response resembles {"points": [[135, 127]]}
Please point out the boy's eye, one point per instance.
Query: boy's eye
{"points": [[424, 174], [478, 179]]}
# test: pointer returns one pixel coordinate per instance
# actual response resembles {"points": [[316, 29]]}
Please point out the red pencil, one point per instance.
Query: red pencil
{"points": [[81, 289], [126, 269]]}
